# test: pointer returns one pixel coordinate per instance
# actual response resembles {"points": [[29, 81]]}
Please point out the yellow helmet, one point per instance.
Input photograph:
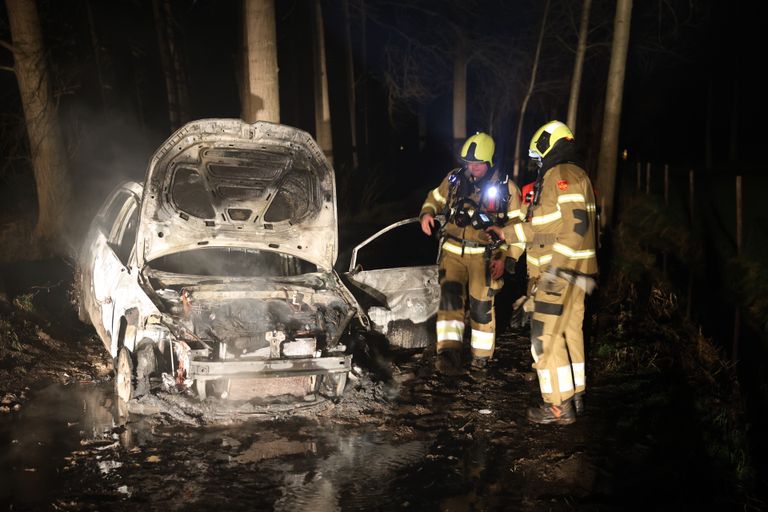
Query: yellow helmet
{"points": [[545, 138], [478, 148]]}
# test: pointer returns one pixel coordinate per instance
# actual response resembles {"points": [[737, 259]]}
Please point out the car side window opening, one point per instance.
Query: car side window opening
{"points": [[127, 236], [110, 213]]}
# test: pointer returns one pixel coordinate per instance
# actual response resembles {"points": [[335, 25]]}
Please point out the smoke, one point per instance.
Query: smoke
{"points": [[105, 149]]}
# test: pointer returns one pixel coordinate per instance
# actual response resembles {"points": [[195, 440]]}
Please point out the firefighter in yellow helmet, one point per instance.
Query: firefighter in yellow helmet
{"points": [[472, 198], [559, 233]]}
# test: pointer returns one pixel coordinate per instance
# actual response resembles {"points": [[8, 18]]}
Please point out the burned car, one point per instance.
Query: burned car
{"points": [[217, 274]]}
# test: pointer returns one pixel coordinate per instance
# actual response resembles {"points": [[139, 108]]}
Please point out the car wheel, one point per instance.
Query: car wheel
{"points": [[124, 375]]}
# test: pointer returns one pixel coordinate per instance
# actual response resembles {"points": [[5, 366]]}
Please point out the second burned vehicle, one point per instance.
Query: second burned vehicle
{"points": [[217, 273]]}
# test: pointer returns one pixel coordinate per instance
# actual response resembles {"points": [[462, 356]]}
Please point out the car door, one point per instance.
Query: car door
{"points": [[401, 300], [104, 260]]}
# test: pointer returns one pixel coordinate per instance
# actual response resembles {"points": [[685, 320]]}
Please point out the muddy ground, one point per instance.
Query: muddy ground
{"points": [[416, 441]]}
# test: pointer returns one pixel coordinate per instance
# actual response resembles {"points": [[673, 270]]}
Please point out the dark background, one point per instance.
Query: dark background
{"points": [[691, 87]]}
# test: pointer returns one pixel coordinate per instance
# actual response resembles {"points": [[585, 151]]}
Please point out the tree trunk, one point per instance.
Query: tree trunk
{"points": [[365, 150], [322, 108], [578, 67], [163, 46], [261, 97], [350, 81], [45, 143], [709, 125], [459, 95], [179, 74], [609, 142], [733, 146], [529, 92], [96, 56]]}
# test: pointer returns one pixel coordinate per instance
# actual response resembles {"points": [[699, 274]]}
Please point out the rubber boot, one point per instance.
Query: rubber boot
{"points": [[448, 363], [578, 403], [546, 414]]}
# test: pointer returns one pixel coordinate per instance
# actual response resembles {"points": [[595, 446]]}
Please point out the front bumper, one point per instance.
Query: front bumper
{"points": [[210, 370]]}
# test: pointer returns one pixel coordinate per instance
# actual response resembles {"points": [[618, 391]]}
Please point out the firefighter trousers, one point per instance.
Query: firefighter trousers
{"points": [[457, 274], [557, 340]]}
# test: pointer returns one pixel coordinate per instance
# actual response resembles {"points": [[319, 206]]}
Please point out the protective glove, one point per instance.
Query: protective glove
{"points": [[586, 283], [550, 281], [553, 280]]}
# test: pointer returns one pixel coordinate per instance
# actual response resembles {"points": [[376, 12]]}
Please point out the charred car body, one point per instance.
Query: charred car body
{"points": [[218, 271]]}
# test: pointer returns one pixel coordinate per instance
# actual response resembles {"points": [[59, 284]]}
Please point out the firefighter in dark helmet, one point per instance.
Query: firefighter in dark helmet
{"points": [[558, 229], [472, 198]]}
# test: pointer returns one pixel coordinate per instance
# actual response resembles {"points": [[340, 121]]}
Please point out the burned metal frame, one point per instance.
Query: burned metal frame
{"points": [[353, 261]]}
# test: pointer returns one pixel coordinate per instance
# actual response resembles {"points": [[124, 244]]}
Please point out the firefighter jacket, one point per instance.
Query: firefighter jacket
{"points": [[463, 189], [560, 232]]}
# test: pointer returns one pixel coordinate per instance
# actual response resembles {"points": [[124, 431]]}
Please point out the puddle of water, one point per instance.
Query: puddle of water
{"points": [[70, 445], [355, 474], [34, 442]]}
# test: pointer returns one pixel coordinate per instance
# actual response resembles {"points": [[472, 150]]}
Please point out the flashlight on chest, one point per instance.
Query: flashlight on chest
{"points": [[491, 198]]}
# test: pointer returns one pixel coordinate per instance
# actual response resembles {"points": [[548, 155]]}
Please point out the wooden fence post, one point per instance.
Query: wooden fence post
{"points": [[648, 178], [690, 270], [666, 204], [737, 312]]}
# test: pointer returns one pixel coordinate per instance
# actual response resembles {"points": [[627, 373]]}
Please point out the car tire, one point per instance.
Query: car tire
{"points": [[124, 367]]}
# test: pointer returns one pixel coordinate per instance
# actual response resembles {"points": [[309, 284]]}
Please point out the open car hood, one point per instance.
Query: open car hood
{"points": [[227, 183]]}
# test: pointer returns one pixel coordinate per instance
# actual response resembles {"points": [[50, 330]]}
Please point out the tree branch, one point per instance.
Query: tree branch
{"points": [[8, 46], [8, 68]]}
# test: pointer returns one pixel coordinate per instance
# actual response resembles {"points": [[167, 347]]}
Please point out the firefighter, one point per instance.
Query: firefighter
{"points": [[472, 198], [558, 229]]}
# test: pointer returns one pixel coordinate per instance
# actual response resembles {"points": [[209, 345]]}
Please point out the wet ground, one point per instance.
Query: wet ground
{"points": [[414, 442], [420, 442]]}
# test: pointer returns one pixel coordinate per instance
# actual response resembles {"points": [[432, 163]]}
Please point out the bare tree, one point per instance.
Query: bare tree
{"points": [[173, 68], [350, 81], [260, 91], [609, 142], [165, 59], [531, 85], [322, 107], [459, 93], [45, 142], [578, 67], [96, 56], [179, 70]]}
